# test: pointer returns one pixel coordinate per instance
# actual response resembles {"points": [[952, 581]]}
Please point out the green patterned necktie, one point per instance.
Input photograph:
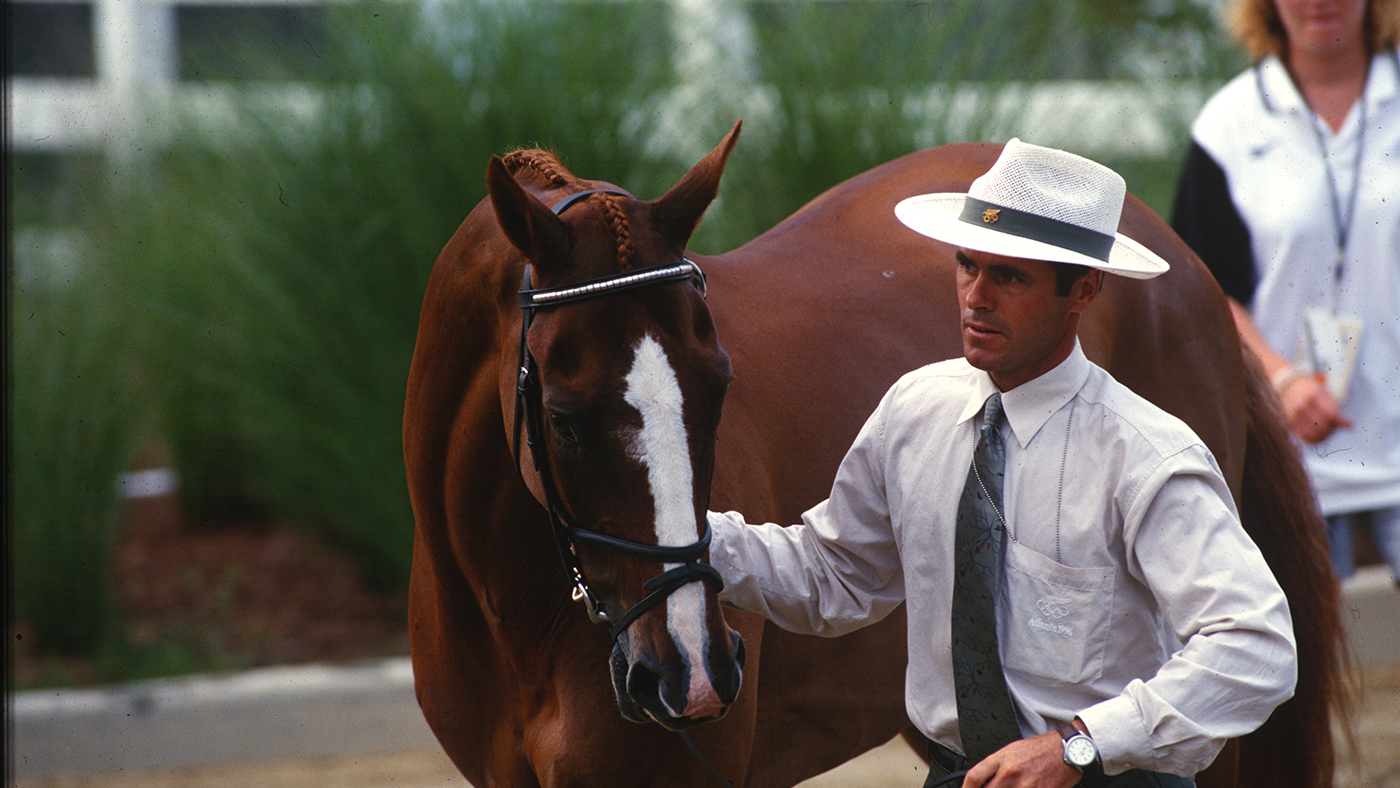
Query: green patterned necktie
{"points": [[986, 716]]}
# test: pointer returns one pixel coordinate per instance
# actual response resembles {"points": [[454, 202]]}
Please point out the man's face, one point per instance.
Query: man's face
{"points": [[1014, 326]]}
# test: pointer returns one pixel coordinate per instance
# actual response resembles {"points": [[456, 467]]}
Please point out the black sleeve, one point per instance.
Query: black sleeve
{"points": [[1206, 219]]}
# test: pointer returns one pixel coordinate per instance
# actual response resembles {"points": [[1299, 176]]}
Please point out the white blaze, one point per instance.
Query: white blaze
{"points": [[664, 451]]}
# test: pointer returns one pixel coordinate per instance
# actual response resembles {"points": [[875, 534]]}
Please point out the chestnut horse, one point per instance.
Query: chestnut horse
{"points": [[565, 400]]}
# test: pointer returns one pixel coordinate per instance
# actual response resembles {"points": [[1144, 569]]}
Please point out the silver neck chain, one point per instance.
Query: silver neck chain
{"points": [[1059, 496]]}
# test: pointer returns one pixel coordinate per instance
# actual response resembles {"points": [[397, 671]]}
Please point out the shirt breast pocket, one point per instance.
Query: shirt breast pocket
{"points": [[1055, 618]]}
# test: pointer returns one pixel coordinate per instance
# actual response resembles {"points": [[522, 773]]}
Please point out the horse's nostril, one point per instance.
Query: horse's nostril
{"points": [[729, 677], [643, 682]]}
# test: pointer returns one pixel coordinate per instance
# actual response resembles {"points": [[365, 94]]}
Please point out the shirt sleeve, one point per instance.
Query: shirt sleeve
{"points": [[1238, 660], [1205, 217], [836, 571]]}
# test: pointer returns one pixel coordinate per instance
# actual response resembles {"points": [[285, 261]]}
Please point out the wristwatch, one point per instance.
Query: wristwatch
{"points": [[1081, 753]]}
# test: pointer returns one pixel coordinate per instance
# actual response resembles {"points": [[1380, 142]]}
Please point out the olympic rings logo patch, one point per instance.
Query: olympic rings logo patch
{"points": [[1053, 607]]}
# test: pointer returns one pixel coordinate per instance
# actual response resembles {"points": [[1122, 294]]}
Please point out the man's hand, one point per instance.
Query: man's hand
{"points": [[1038, 762], [1312, 412]]}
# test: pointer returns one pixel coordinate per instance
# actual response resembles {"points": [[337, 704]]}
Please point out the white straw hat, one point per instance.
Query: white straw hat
{"points": [[1039, 204]]}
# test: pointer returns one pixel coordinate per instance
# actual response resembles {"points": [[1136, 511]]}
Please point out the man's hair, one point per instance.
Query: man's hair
{"points": [[1066, 274], [1256, 25]]}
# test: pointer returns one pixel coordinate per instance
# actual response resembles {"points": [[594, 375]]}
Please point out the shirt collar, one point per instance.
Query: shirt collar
{"points": [[1281, 94], [1031, 404], [1276, 86], [1383, 84]]}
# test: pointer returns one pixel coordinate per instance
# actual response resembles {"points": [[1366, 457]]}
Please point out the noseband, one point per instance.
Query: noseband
{"points": [[529, 408]]}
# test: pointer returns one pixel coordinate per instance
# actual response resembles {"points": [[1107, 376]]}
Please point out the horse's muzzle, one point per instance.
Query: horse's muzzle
{"points": [[677, 695]]}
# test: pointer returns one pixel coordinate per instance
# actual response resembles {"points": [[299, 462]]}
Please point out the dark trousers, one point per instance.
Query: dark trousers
{"points": [[943, 761]]}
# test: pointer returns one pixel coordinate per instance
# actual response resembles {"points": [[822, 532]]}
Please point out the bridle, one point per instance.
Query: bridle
{"points": [[529, 410]]}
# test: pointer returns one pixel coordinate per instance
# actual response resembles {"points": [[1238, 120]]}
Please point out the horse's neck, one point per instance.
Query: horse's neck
{"points": [[492, 541], [479, 519]]}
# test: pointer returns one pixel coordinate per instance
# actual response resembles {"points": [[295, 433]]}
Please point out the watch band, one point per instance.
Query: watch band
{"points": [[1092, 774], [1068, 731]]}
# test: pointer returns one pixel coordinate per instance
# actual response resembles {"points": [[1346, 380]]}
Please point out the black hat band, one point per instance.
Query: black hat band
{"points": [[1090, 243]]}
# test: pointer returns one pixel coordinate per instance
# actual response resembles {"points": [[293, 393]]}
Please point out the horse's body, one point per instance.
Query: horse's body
{"points": [[819, 316]]}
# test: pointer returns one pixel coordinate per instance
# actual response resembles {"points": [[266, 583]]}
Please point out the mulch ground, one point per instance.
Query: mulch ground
{"points": [[227, 596]]}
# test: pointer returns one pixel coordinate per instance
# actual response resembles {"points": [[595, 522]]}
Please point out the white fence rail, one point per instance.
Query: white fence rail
{"points": [[134, 54], [125, 106]]}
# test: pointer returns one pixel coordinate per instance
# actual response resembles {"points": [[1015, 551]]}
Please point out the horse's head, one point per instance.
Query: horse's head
{"points": [[618, 392]]}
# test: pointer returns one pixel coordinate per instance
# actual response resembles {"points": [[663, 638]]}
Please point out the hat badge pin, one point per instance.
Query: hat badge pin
{"points": [[991, 215]]}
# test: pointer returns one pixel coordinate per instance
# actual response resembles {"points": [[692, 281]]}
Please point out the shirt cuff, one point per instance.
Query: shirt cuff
{"points": [[1115, 727]]}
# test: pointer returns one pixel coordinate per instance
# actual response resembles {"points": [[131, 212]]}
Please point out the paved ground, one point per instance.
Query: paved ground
{"points": [[893, 765], [1375, 764]]}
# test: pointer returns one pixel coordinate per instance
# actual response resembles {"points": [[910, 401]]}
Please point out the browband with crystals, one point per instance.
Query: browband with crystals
{"points": [[553, 296], [1037, 228]]}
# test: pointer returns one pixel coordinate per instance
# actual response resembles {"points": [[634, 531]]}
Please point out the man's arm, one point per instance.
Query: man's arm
{"points": [[836, 571], [1212, 585]]}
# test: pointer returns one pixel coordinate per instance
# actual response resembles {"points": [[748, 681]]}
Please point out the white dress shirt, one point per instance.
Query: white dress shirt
{"points": [[1130, 596]]}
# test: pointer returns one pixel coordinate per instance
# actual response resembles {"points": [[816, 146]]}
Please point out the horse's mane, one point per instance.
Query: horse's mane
{"points": [[547, 167]]}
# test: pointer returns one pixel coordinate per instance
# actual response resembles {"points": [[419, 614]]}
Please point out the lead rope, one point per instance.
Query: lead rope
{"points": [[685, 737], [948, 779]]}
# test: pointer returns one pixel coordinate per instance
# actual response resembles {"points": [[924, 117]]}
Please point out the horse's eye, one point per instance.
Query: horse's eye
{"points": [[564, 427]]}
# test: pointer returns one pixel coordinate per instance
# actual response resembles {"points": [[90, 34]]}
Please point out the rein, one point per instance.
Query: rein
{"points": [[529, 410], [949, 779]]}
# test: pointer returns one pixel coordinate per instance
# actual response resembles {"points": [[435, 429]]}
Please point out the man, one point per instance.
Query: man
{"points": [[1083, 604]]}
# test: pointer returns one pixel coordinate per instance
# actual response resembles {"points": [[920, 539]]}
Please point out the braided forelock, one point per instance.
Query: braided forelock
{"points": [[546, 166], [621, 230], [543, 164]]}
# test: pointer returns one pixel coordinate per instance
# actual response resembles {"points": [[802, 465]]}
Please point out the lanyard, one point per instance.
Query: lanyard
{"points": [[1341, 220]]}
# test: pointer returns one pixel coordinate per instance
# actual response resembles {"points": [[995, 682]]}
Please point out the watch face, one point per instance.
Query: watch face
{"points": [[1081, 751]]}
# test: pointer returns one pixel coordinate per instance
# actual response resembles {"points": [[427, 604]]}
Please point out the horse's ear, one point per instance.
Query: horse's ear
{"points": [[527, 222], [677, 214]]}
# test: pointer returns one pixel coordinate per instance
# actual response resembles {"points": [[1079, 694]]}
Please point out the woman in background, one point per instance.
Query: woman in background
{"points": [[1290, 193]]}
